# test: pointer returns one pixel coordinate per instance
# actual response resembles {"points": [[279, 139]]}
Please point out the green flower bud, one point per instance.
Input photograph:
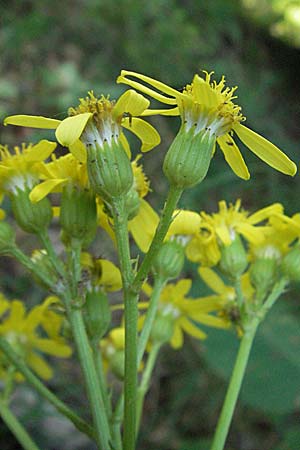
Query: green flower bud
{"points": [[188, 158], [117, 364], [290, 265], [233, 260], [132, 203], [163, 328], [169, 260], [31, 217], [109, 169], [97, 314], [263, 273], [78, 215], [7, 238]]}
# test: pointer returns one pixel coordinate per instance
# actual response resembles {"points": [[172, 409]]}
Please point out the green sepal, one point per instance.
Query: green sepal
{"points": [[233, 262], [188, 158], [7, 238], [78, 215], [31, 217], [169, 261], [109, 169], [97, 314]]}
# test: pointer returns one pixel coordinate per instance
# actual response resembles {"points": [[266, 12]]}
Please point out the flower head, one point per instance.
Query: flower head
{"points": [[99, 120], [207, 105], [18, 170], [23, 332], [187, 313], [220, 229]]}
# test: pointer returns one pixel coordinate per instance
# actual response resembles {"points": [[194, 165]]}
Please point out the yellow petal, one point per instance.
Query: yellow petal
{"points": [[183, 287], [78, 150], [41, 190], [39, 366], [210, 320], [161, 112], [130, 102], [203, 92], [212, 280], [41, 151], [233, 156], [71, 128], [52, 347], [143, 226], [185, 223], [157, 84], [265, 213], [265, 150], [144, 131], [110, 275], [191, 329], [177, 338], [125, 144], [32, 121]]}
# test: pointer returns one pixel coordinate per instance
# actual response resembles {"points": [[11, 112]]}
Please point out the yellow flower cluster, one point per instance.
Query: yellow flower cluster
{"points": [[31, 334]]}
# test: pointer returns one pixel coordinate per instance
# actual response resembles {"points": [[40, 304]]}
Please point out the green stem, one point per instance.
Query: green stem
{"points": [[15, 359], [277, 290], [149, 319], [17, 428], [56, 262], [101, 376], [131, 316], [91, 378], [73, 303], [144, 386], [234, 386], [31, 266], [173, 197], [117, 422]]}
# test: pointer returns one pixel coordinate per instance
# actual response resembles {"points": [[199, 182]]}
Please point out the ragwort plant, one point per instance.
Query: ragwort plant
{"points": [[246, 259]]}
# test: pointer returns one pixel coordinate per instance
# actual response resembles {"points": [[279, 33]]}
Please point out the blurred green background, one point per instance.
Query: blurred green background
{"points": [[53, 52]]}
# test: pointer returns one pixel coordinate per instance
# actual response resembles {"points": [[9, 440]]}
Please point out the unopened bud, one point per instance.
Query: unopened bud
{"points": [[233, 260], [169, 260]]}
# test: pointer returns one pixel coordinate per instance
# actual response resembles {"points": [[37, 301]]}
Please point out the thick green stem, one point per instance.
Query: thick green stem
{"points": [[15, 359], [91, 378], [144, 386], [17, 428], [149, 319], [131, 316], [234, 386], [161, 231]]}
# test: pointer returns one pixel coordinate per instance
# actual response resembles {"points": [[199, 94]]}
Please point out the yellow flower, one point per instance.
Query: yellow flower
{"points": [[58, 173], [280, 232], [103, 272], [19, 171], [22, 331], [97, 120], [206, 104], [184, 225], [187, 313], [219, 229], [226, 296]]}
